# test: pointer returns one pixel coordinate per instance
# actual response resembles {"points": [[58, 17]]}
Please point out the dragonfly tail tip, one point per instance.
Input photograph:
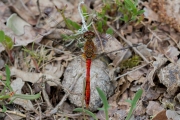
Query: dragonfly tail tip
{"points": [[87, 106]]}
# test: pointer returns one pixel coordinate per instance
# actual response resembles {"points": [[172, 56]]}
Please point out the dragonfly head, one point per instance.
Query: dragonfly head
{"points": [[89, 35]]}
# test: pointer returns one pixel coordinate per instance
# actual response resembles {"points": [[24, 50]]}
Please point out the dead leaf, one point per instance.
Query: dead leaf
{"points": [[107, 42], [23, 12], [161, 116], [178, 97], [132, 39], [172, 53], [151, 95], [150, 14], [112, 72], [129, 29], [134, 76], [17, 87], [140, 109], [30, 35], [57, 69], [13, 23], [121, 89], [174, 115], [144, 50], [153, 108], [4, 12], [34, 77], [122, 104], [119, 115], [160, 60], [100, 115]]}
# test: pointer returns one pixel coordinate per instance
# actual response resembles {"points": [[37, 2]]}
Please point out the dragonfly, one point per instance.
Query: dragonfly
{"points": [[89, 54]]}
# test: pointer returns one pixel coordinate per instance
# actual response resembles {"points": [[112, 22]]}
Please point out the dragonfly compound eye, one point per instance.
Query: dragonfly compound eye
{"points": [[89, 35]]}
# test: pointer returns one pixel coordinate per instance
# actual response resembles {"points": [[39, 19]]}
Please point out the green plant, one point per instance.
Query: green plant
{"points": [[71, 25], [7, 42], [105, 107], [8, 93], [133, 103], [131, 62], [86, 111], [129, 10], [105, 102], [101, 24], [37, 56], [7, 86], [102, 18]]}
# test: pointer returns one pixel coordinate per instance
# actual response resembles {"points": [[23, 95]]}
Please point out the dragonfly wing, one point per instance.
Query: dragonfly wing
{"points": [[110, 43]]}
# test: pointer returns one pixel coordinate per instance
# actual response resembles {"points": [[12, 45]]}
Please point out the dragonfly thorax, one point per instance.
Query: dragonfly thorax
{"points": [[89, 47]]}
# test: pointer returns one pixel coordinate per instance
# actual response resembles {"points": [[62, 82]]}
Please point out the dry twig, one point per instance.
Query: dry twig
{"points": [[16, 113], [98, 37]]}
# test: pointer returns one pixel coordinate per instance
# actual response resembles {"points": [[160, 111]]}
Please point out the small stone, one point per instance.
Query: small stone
{"points": [[99, 78]]}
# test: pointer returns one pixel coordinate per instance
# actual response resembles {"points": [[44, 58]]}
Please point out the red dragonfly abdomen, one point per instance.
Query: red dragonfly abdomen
{"points": [[87, 90]]}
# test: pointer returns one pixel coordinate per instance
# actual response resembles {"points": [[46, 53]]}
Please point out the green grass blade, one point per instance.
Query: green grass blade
{"points": [[103, 98], [8, 73], [27, 97], [109, 31], [136, 97], [99, 27], [86, 111], [4, 108], [67, 37], [140, 12], [2, 36], [73, 24], [105, 102], [4, 97], [130, 4], [133, 103]]}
